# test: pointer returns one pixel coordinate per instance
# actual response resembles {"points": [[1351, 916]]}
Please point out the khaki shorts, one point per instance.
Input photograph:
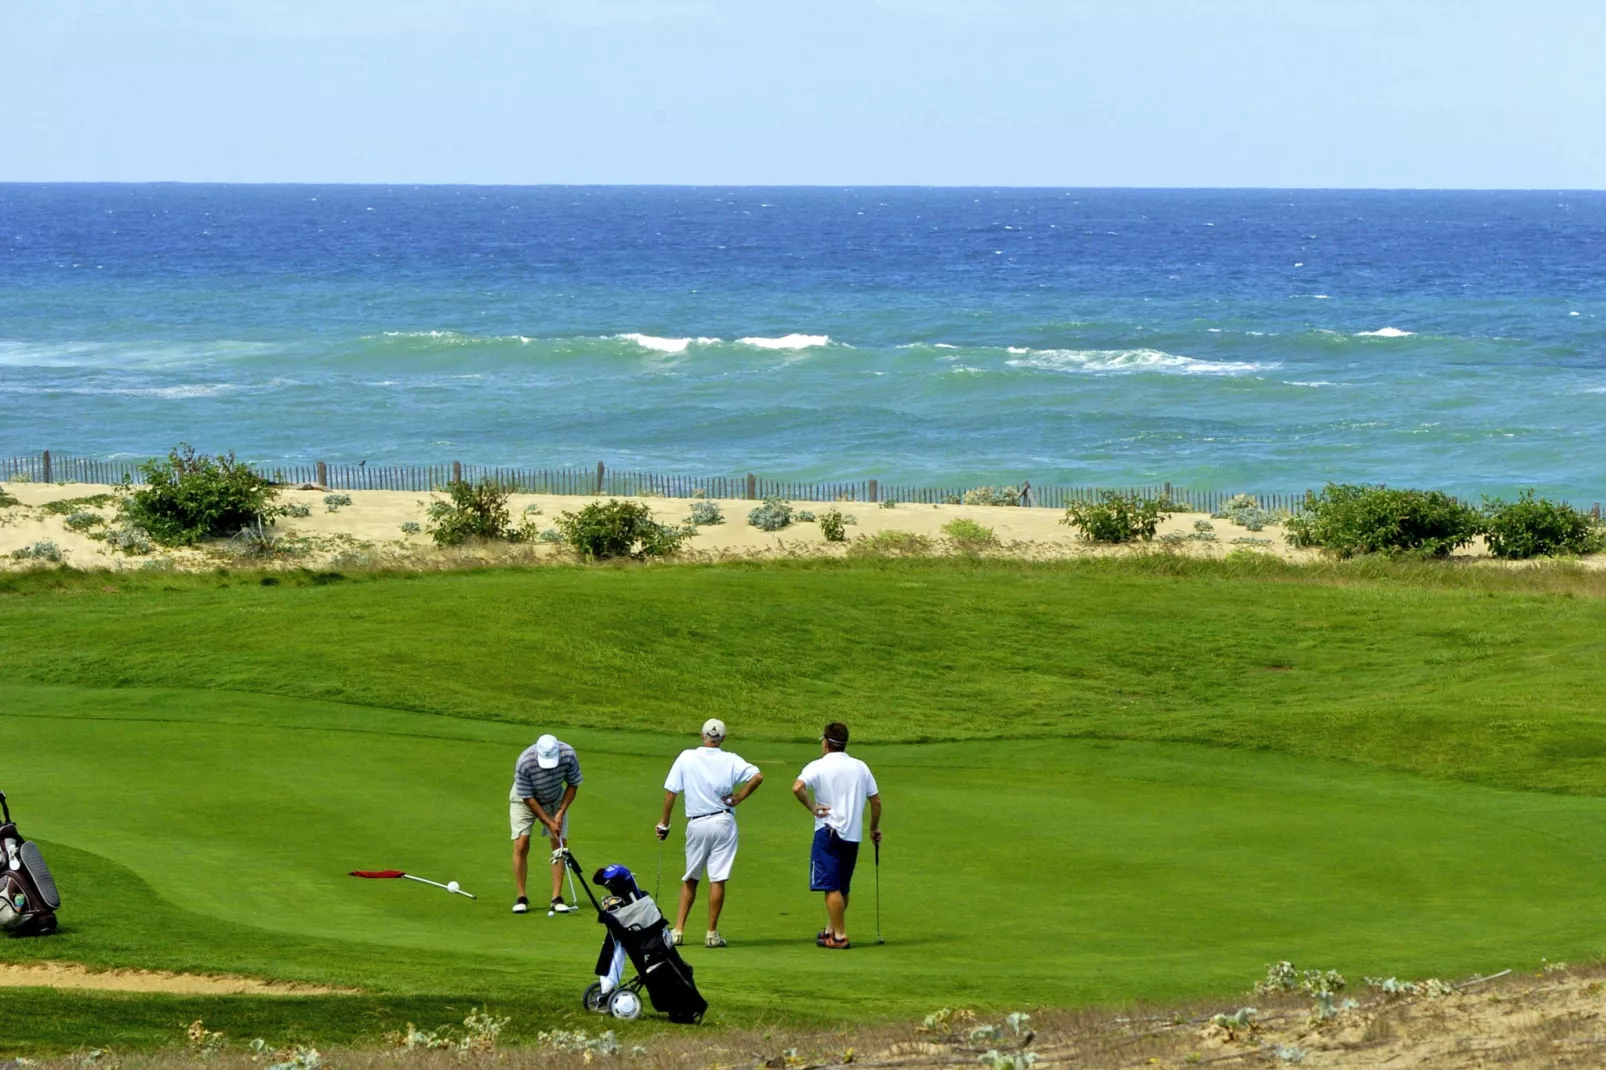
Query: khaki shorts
{"points": [[522, 818]]}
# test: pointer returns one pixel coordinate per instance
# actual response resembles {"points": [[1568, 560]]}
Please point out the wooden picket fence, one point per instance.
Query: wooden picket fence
{"points": [[606, 482]]}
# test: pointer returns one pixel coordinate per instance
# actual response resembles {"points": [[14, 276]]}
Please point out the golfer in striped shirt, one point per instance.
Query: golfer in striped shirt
{"points": [[545, 780]]}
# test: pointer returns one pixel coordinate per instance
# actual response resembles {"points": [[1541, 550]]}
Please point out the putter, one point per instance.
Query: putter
{"points": [[659, 883], [572, 893], [878, 894], [396, 874]]}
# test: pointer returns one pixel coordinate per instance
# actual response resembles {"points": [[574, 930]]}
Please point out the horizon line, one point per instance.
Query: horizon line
{"points": [[813, 186]]}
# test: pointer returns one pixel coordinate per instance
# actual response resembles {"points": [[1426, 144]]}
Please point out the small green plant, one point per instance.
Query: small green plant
{"points": [[1011, 1060], [83, 520], [1530, 527], [613, 529], [891, 543], [991, 496], [804, 517], [469, 511], [833, 526], [773, 515], [127, 539], [1351, 519], [411, 527], [969, 535], [481, 1030], [7, 500], [705, 512], [888, 503], [335, 502], [43, 550], [192, 496], [204, 1041], [1118, 518], [65, 506], [1203, 525], [550, 535], [1245, 511], [1239, 1025], [298, 510]]}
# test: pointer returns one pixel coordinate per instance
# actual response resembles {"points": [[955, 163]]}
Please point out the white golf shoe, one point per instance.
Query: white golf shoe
{"points": [[560, 907], [713, 939], [522, 905], [676, 937]]}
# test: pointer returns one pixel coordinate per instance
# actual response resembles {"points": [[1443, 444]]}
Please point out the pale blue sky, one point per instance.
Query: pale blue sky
{"points": [[1438, 93]]}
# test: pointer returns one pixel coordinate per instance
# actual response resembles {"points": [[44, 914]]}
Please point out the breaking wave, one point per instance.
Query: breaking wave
{"points": [[1132, 360], [788, 341], [1385, 332]]}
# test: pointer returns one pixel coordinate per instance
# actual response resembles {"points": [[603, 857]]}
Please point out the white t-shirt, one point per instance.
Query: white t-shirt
{"points": [[703, 776], [844, 784]]}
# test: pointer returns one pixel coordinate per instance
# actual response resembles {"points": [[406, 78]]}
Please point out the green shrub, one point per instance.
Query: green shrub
{"points": [[550, 535], [969, 534], [1117, 517], [43, 550], [891, 544], [83, 520], [991, 496], [1245, 511], [1351, 519], [68, 506], [127, 540], [889, 503], [1530, 527], [773, 515], [705, 512], [833, 525], [335, 502], [803, 517], [298, 510], [193, 496], [614, 528], [469, 511], [7, 500], [410, 527]]}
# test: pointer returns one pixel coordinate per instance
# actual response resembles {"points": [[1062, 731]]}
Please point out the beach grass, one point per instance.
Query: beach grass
{"points": [[1104, 780]]}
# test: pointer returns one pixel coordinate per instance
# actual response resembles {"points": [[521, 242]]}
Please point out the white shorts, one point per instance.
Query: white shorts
{"points": [[522, 818], [710, 847]]}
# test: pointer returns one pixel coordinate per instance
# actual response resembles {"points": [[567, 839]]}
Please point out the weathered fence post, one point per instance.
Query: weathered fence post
{"points": [[457, 471], [1168, 490], [46, 459], [322, 475], [1597, 512], [601, 472], [752, 487], [875, 491]]}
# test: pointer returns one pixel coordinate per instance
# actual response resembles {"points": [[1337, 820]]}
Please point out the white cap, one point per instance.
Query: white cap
{"points": [[714, 729], [546, 752]]}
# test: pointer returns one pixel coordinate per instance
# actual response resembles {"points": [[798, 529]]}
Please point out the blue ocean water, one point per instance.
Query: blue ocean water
{"points": [[1216, 339]]}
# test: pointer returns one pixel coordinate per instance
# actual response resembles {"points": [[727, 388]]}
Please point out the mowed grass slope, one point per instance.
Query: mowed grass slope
{"points": [[203, 794]]}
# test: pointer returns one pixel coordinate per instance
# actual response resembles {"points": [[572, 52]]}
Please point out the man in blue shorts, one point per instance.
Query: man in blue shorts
{"points": [[841, 786]]}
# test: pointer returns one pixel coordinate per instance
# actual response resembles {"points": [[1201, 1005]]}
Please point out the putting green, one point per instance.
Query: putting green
{"points": [[213, 830]]}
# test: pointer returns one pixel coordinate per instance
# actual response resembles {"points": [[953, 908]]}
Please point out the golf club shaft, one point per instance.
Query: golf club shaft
{"points": [[658, 884], [878, 891], [572, 893], [438, 884]]}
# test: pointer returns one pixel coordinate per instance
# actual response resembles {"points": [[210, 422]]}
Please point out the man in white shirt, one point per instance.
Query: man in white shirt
{"points": [[841, 786], [709, 778]]}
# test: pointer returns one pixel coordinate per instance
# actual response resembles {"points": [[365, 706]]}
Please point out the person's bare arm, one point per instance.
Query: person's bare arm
{"points": [[563, 807], [801, 791], [540, 814], [875, 817], [669, 811], [747, 789]]}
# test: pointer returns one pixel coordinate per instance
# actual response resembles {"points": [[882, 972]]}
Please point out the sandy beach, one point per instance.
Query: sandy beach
{"points": [[369, 532]]}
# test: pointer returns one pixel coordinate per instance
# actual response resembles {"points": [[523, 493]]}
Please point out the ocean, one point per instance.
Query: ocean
{"points": [[1269, 340]]}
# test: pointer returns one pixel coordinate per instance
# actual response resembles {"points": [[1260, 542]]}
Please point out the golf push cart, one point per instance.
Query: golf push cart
{"points": [[637, 932]]}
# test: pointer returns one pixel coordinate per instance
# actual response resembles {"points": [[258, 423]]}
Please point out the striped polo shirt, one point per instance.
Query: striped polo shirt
{"points": [[545, 786]]}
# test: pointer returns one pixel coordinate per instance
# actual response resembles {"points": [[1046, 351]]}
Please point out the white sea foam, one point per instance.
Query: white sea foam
{"points": [[1133, 360], [1385, 332], [789, 341], [1309, 382], [661, 345]]}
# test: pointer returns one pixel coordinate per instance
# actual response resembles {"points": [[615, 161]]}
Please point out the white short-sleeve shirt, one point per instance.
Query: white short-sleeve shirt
{"points": [[703, 776], [844, 784]]}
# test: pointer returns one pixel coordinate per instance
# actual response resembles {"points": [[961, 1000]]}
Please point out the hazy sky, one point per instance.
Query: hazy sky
{"points": [[1447, 93]]}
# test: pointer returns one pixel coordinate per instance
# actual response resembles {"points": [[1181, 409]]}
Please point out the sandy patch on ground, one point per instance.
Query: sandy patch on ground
{"points": [[72, 975], [369, 532]]}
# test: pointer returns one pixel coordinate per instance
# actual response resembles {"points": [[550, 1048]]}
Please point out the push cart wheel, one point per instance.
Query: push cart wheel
{"points": [[595, 999], [624, 1004]]}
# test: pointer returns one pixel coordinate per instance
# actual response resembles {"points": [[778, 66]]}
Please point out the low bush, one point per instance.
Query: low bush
{"points": [[833, 525], [127, 540], [192, 496], [1245, 511], [469, 511], [83, 520], [803, 517], [43, 550], [705, 512], [773, 515], [1537, 527], [891, 544], [411, 527], [335, 502], [615, 529], [1350, 519], [298, 510], [991, 496], [968, 534], [7, 500], [1117, 518], [889, 503]]}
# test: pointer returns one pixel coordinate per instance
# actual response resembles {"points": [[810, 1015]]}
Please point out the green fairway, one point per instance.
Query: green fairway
{"points": [[205, 764]]}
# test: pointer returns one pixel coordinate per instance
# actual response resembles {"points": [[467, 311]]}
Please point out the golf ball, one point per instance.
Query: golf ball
{"points": [[453, 886], [552, 913]]}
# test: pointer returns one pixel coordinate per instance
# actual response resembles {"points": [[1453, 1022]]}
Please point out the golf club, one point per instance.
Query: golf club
{"points": [[878, 893], [575, 896], [659, 883], [393, 874]]}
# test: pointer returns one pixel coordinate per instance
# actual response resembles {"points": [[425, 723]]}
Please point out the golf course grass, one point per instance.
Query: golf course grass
{"points": [[1103, 781]]}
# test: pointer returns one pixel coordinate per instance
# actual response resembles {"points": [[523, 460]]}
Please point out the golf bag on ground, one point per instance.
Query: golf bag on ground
{"points": [[28, 896], [637, 932]]}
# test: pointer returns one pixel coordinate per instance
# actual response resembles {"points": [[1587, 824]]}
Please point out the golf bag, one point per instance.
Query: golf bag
{"points": [[28, 896], [637, 932]]}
